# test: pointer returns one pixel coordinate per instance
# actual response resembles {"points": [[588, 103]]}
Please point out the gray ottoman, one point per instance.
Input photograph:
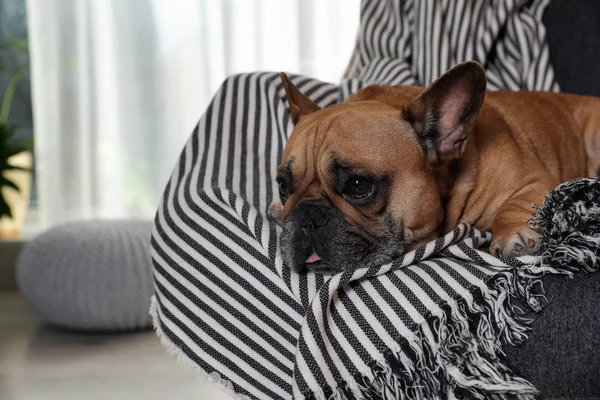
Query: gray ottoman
{"points": [[91, 276]]}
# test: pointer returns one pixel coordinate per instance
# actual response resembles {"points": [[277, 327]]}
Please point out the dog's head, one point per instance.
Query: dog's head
{"points": [[359, 182]]}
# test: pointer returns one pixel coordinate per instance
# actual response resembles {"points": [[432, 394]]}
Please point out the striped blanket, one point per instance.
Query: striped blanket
{"points": [[429, 325]]}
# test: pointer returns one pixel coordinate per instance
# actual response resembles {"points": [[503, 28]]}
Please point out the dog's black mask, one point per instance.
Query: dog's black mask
{"points": [[317, 226]]}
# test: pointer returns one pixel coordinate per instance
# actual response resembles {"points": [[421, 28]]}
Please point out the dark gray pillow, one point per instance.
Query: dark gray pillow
{"points": [[573, 31]]}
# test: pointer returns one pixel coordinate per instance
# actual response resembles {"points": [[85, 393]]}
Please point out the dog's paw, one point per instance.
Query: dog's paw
{"points": [[518, 242], [275, 212]]}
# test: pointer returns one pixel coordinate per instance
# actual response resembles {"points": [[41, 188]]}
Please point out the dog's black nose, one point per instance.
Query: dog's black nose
{"points": [[314, 212]]}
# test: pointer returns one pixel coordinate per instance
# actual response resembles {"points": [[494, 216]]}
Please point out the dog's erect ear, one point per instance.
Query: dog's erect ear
{"points": [[442, 114], [299, 104]]}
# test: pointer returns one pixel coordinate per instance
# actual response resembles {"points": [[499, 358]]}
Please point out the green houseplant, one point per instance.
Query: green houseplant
{"points": [[10, 149]]}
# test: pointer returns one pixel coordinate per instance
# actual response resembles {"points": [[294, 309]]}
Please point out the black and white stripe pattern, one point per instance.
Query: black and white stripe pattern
{"points": [[378, 333], [415, 41], [429, 325]]}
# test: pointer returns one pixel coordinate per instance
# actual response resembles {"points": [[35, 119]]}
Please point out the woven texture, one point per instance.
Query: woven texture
{"points": [[570, 224], [429, 325], [91, 276]]}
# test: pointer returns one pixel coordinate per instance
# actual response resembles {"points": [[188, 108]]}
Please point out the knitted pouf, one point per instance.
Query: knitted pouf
{"points": [[91, 276]]}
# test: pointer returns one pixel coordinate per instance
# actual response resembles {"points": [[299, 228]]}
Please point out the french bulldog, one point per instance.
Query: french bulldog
{"points": [[393, 167]]}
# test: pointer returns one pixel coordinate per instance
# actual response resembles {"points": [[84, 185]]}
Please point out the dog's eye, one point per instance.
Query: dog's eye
{"points": [[358, 188], [284, 187]]}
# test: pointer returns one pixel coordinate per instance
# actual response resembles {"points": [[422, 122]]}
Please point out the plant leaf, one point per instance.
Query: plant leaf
{"points": [[19, 44], [7, 182], [4, 208], [16, 168], [8, 147], [16, 149], [27, 143], [10, 91]]}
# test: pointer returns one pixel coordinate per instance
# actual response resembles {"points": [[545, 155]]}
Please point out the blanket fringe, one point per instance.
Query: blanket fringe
{"points": [[172, 349], [459, 353]]}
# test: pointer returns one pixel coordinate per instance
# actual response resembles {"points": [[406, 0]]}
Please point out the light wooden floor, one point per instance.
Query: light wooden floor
{"points": [[39, 362]]}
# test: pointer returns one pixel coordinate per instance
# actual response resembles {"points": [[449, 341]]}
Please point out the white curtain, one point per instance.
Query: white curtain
{"points": [[118, 85]]}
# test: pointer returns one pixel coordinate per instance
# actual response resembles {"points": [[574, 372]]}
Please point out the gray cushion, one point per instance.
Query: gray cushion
{"points": [[93, 276]]}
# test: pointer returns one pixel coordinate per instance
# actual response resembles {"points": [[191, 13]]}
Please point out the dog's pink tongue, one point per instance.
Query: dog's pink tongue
{"points": [[313, 258]]}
